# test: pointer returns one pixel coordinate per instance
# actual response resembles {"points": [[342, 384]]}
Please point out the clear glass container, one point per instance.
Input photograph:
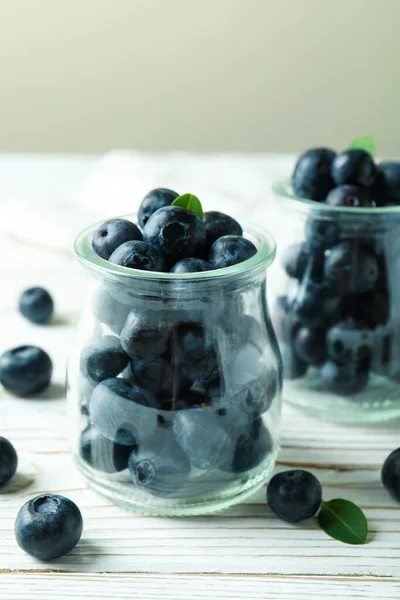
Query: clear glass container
{"points": [[336, 308], [174, 383]]}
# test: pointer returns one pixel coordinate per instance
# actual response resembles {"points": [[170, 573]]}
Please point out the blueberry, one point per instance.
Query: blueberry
{"points": [[145, 336], [137, 255], [294, 495], [112, 234], [344, 379], [8, 461], [372, 308], [349, 195], [191, 265], [322, 232], [250, 447], [159, 466], [349, 341], [350, 269], [25, 370], [160, 376], [194, 350], [311, 178], [293, 366], [48, 526], [391, 474], [230, 250], [109, 311], [101, 453], [104, 360], [294, 259], [310, 345], [354, 166], [154, 200], [218, 224], [175, 233], [202, 436], [389, 176], [315, 305], [36, 305]]}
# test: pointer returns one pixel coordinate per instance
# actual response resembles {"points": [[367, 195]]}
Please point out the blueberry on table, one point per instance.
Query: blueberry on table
{"points": [[230, 250], [191, 265], [388, 192], [112, 234], [250, 448], [311, 178], [351, 269], [354, 166], [137, 255], [391, 474], [310, 345], [161, 376], [8, 461], [349, 195], [154, 200], [25, 370], [175, 233], [109, 311], [36, 305], [145, 336], [294, 259], [294, 495], [48, 526], [101, 453], [344, 379], [219, 224], [104, 360]]}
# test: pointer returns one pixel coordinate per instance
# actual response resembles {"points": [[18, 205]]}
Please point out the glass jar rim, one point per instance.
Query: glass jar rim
{"points": [[284, 189], [263, 240]]}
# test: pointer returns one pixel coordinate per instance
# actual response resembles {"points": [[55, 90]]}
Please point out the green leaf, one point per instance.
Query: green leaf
{"points": [[364, 143], [190, 202], [344, 521]]}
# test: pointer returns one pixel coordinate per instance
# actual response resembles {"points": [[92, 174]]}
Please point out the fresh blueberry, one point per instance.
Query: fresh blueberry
{"points": [[294, 495], [250, 446], [145, 336], [230, 250], [36, 305], [350, 269], [109, 311], [293, 366], [344, 379], [194, 350], [310, 345], [311, 178], [218, 225], [104, 360], [159, 466], [354, 166], [349, 195], [372, 308], [389, 177], [154, 200], [25, 370], [322, 232], [160, 377], [315, 305], [48, 526], [294, 259], [137, 255], [175, 233], [8, 461], [191, 265], [391, 474], [112, 234], [349, 341], [101, 453]]}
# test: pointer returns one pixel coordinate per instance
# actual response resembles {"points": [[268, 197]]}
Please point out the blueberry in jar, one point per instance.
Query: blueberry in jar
{"points": [[354, 166], [294, 495], [344, 379], [191, 265], [36, 304], [218, 224], [112, 234], [372, 308], [160, 376], [391, 474], [25, 370], [349, 341], [194, 349], [8, 461], [389, 178], [101, 453], [48, 526], [310, 345], [312, 178], [103, 360], [322, 232], [294, 259], [351, 269], [145, 336], [109, 311], [250, 447], [137, 255], [351, 196], [154, 200], [315, 305], [230, 250]]}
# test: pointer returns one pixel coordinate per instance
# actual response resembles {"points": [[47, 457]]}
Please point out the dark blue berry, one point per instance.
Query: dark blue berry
{"points": [[161, 376], [25, 370], [349, 341], [218, 224], [354, 166], [311, 178], [294, 259], [294, 495], [315, 305], [137, 255], [154, 200], [145, 336], [104, 360], [391, 474], [194, 350], [310, 345], [48, 526], [349, 195], [175, 233], [230, 250], [250, 447], [101, 453], [109, 311], [344, 379], [112, 234], [191, 265], [389, 177], [8, 461], [322, 232], [36, 305], [372, 308], [351, 269]]}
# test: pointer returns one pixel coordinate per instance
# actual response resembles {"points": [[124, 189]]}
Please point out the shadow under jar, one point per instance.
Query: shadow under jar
{"points": [[336, 308], [174, 383]]}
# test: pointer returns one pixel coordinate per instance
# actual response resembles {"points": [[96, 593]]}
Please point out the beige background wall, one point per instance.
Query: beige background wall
{"points": [[241, 75]]}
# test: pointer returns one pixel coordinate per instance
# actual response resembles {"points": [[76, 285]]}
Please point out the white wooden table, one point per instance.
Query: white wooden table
{"points": [[243, 553]]}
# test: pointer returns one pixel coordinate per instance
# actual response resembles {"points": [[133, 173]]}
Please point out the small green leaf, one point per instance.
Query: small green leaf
{"points": [[190, 202], [364, 143], [344, 521]]}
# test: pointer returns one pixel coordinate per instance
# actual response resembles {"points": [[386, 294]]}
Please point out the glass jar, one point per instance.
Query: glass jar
{"points": [[174, 383], [336, 308]]}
